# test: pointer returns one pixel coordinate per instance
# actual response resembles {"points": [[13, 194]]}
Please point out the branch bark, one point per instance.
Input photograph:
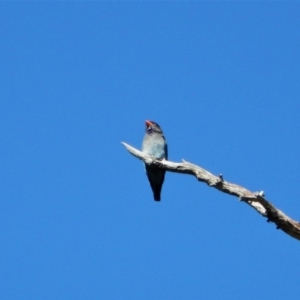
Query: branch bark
{"points": [[255, 199]]}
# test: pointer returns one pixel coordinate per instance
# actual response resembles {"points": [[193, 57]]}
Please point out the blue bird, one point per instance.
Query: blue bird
{"points": [[154, 144]]}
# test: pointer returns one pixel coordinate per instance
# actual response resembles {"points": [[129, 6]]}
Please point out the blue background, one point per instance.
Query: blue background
{"points": [[77, 217]]}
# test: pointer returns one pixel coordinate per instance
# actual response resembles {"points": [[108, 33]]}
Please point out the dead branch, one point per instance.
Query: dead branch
{"points": [[255, 199]]}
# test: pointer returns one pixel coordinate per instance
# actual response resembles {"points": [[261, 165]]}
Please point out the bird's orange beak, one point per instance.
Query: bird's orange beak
{"points": [[148, 123]]}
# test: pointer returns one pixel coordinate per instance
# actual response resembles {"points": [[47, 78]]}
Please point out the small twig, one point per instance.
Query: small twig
{"points": [[255, 199]]}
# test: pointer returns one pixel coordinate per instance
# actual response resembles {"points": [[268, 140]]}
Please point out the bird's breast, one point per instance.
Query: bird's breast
{"points": [[156, 149]]}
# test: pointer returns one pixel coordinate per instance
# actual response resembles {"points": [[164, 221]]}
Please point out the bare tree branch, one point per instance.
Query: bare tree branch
{"points": [[256, 200]]}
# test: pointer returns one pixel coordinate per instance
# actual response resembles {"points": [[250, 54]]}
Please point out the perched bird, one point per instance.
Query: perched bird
{"points": [[154, 144]]}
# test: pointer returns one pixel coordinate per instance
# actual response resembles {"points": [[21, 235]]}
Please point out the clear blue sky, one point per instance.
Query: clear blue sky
{"points": [[77, 217]]}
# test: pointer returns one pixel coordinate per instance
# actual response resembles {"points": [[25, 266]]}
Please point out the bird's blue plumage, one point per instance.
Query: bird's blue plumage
{"points": [[154, 144]]}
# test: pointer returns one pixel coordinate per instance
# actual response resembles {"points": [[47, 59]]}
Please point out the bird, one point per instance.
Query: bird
{"points": [[155, 144]]}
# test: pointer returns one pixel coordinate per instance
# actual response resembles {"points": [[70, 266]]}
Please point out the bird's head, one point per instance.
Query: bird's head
{"points": [[151, 126]]}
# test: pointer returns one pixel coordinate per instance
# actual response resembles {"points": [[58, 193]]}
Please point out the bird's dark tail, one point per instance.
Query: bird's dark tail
{"points": [[156, 197], [156, 179]]}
